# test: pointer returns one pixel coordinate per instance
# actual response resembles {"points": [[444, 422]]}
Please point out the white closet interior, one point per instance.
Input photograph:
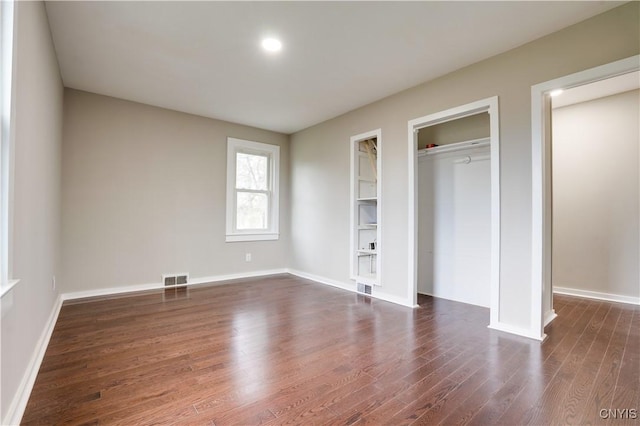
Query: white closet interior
{"points": [[454, 210]]}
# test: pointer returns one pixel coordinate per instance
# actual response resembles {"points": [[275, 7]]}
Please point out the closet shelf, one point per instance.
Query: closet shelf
{"points": [[366, 179], [458, 146], [366, 252], [368, 226]]}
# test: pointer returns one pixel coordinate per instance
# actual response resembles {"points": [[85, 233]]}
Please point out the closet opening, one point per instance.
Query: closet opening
{"points": [[454, 212]]}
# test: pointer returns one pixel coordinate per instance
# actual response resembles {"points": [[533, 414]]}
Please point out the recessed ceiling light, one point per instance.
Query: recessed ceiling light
{"points": [[556, 92], [271, 44]]}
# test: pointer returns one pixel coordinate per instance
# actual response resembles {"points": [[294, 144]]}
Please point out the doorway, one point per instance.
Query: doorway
{"points": [[486, 106], [454, 210], [595, 190], [541, 279]]}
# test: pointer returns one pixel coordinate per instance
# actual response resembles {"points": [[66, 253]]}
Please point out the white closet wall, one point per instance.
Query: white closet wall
{"points": [[454, 226]]}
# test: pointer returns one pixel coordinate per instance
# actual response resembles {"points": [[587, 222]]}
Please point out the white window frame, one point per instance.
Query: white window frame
{"points": [[272, 152], [7, 19]]}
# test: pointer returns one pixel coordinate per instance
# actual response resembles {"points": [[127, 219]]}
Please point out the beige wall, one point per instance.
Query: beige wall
{"points": [[35, 245], [144, 194], [595, 195], [320, 157], [460, 130]]}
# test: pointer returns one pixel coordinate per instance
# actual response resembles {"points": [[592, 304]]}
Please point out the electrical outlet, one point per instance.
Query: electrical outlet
{"points": [[53, 282], [247, 257]]}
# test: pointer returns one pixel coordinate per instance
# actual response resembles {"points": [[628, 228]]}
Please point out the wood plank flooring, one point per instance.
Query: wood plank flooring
{"points": [[283, 350]]}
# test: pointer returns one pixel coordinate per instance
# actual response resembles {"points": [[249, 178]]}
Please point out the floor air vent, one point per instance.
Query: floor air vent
{"points": [[171, 280], [175, 286], [364, 288]]}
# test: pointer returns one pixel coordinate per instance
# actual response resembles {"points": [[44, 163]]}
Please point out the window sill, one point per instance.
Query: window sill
{"points": [[252, 237], [7, 288]]}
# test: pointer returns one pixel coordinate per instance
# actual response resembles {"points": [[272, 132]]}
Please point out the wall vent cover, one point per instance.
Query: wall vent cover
{"points": [[364, 288], [173, 280]]}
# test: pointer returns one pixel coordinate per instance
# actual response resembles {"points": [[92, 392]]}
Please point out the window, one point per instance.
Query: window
{"points": [[252, 190]]}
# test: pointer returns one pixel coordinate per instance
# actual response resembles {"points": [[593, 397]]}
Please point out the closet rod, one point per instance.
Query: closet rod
{"points": [[468, 159]]}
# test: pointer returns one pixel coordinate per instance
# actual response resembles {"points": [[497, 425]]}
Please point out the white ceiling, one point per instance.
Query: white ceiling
{"points": [[205, 57], [599, 89]]}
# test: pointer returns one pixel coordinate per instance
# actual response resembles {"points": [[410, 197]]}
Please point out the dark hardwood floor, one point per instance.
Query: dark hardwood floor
{"points": [[282, 350]]}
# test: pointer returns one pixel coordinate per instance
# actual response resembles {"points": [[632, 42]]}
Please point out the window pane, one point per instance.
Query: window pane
{"points": [[251, 171], [252, 210]]}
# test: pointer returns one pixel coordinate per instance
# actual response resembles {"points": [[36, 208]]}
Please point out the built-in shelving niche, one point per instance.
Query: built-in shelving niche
{"points": [[366, 209]]}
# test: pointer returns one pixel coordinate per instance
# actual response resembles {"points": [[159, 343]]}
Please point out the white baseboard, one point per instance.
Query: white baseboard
{"points": [[323, 280], [223, 278], [109, 291], [19, 402], [597, 295], [524, 332], [549, 316], [229, 277], [351, 287], [158, 286]]}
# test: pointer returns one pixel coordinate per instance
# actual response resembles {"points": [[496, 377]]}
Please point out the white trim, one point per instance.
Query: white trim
{"points": [[494, 125], [323, 280], [108, 291], [412, 207], [221, 279], [520, 331], [7, 288], [549, 316], [272, 152], [241, 275], [610, 297], [160, 286], [9, 15], [350, 287], [491, 106], [251, 237], [19, 402], [540, 232]]}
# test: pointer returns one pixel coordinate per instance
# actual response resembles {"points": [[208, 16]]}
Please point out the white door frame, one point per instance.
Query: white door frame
{"points": [[541, 286], [489, 105]]}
